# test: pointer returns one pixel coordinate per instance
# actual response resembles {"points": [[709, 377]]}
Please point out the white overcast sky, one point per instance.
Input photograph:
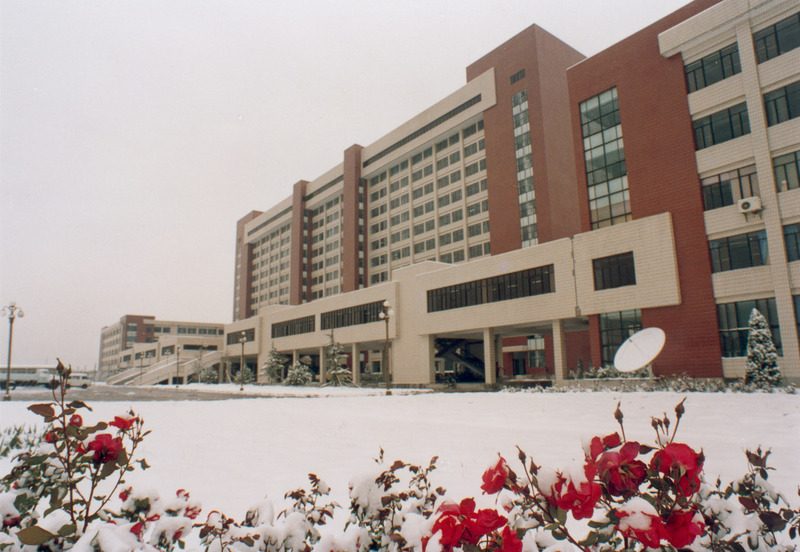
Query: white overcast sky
{"points": [[134, 134]]}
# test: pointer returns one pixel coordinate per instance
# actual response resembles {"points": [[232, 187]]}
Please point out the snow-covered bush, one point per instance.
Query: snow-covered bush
{"points": [[336, 364], [67, 492], [299, 374], [761, 369], [275, 365], [61, 491]]}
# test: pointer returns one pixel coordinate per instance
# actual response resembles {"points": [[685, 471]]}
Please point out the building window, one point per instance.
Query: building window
{"points": [[782, 104], [233, 337], [604, 154], [525, 283], [713, 68], [536, 352], [777, 39], [725, 189], [797, 312], [734, 325], [519, 75], [614, 271], [787, 171], [293, 327], [721, 126], [742, 251], [615, 328], [791, 235], [351, 316]]}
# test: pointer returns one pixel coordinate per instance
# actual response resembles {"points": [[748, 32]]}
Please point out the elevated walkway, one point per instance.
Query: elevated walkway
{"points": [[166, 370]]}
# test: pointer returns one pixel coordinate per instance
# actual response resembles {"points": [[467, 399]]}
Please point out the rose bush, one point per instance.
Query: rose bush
{"points": [[68, 492]]}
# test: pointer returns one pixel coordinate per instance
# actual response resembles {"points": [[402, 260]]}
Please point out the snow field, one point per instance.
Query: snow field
{"points": [[231, 454]]}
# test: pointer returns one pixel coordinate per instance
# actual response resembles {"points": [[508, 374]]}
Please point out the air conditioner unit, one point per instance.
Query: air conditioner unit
{"points": [[749, 204]]}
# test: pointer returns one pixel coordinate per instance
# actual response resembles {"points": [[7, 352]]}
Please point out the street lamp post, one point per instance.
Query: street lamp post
{"points": [[242, 340], [177, 364], [11, 311], [385, 314]]}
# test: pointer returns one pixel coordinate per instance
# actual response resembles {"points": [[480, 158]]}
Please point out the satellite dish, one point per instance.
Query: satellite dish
{"points": [[639, 350]]}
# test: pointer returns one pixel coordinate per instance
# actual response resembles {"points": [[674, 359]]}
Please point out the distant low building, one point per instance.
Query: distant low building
{"points": [[134, 341]]}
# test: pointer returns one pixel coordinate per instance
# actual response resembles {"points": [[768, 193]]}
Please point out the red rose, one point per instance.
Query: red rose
{"points": [[123, 423], [12, 521], [598, 445], [682, 528], [123, 496], [510, 541], [460, 523], [682, 463], [646, 528], [50, 437], [137, 528], [76, 420], [106, 448], [579, 497], [619, 471], [495, 477]]}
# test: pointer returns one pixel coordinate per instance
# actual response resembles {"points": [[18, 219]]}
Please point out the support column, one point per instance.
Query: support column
{"points": [[295, 356], [559, 351], [323, 374], [489, 356], [498, 355], [356, 364], [431, 358]]}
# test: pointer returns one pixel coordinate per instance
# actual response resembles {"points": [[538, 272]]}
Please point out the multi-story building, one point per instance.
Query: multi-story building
{"points": [[580, 199], [133, 340]]}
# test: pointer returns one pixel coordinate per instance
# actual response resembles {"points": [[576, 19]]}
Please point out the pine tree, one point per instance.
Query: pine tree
{"points": [[299, 374], [762, 358], [335, 364], [274, 365]]}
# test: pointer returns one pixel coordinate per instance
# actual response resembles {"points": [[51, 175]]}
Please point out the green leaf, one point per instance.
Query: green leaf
{"points": [[107, 469], [67, 529], [122, 458], [44, 410], [36, 460], [79, 404], [34, 535], [773, 521], [24, 503]]}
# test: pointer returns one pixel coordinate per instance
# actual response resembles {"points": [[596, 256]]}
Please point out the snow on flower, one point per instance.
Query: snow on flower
{"points": [[109, 538], [7, 508], [106, 448], [640, 520], [494, 478], [124, 422], [684, 461]]}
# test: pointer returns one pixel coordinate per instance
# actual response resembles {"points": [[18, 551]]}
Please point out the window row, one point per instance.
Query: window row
{"points": [[524, 283], [777, 39], [351, 316], [297, 326], [734, 324], [740, 251], [713, 68]]}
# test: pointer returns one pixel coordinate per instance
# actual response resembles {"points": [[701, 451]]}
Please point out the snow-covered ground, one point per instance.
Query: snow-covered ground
{"points": [[229, 454]]}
